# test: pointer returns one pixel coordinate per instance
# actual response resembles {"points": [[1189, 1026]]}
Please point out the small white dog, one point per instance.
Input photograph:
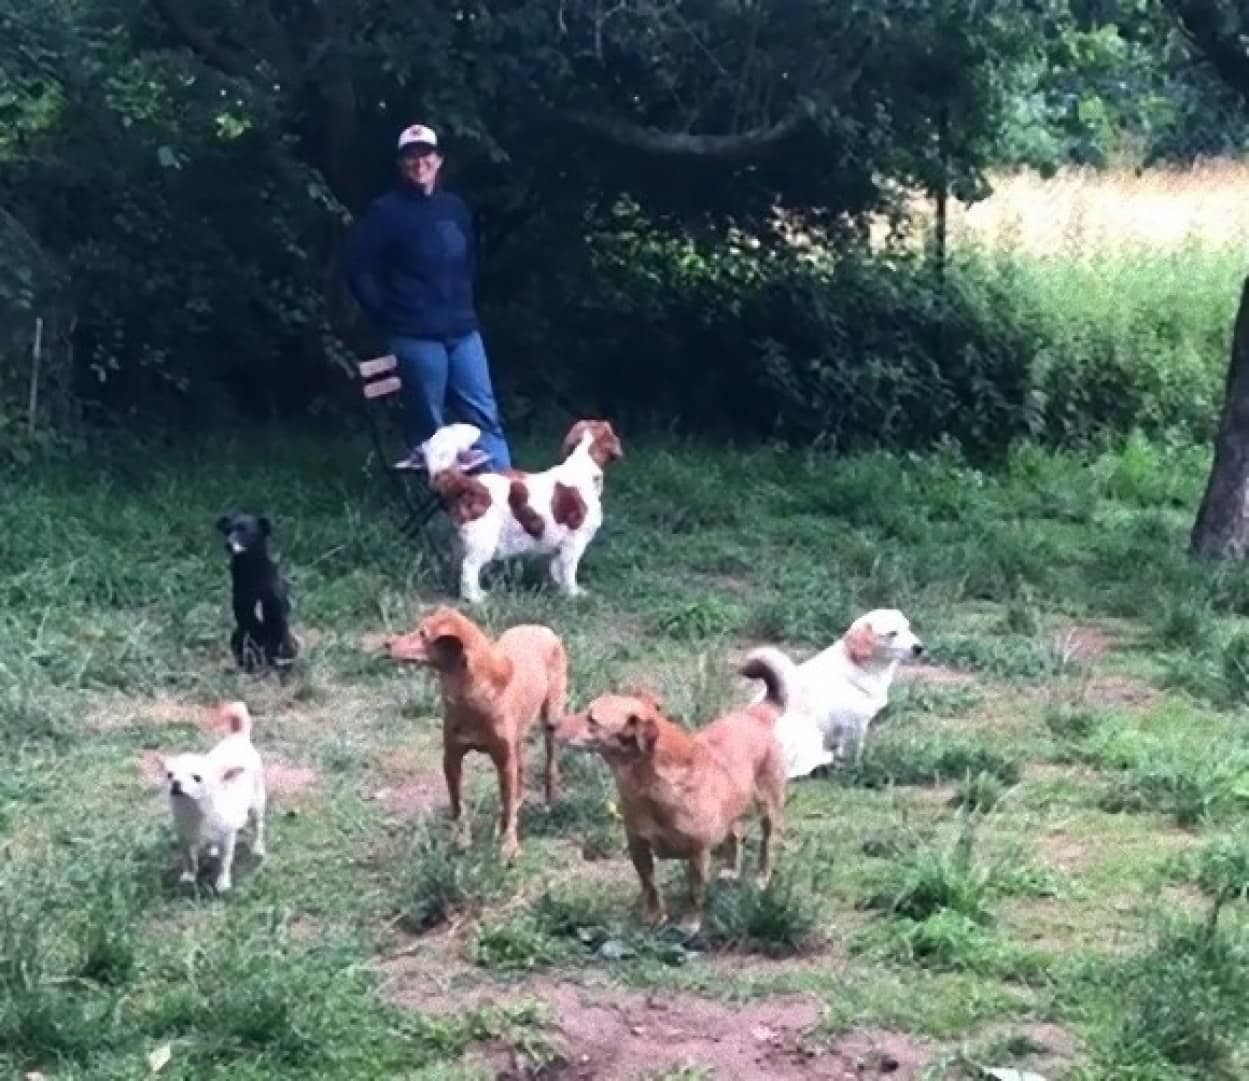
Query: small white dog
{"points": [[839, 691], [213, 795], [554, 513]]}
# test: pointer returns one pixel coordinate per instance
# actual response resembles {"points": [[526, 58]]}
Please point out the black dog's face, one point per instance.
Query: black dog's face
{"points": [[243, 533]]}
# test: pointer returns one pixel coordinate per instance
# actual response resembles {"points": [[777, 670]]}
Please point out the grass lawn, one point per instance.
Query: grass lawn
{"points": [[1021, 872]]}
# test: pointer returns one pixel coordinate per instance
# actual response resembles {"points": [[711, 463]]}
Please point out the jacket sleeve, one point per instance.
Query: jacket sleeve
{"points": [[366, 251]]}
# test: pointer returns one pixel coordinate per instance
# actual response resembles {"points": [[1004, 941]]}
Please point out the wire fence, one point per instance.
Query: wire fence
{"points": [[36, 334]]}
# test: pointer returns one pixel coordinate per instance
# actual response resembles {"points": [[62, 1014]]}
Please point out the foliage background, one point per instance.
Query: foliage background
{"points": [[176, 182]]}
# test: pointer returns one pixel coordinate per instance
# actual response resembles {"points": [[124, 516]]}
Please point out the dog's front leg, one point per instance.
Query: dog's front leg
{"points": [[247, 641], [771, 815], [644, 862], [224, 881], [850, 744], [453, 771], [507, 764], [699, 872], [470, 578], [552, 766], [280, 645], [190, 865], [258, 819], [734, 852], [564, 567]]}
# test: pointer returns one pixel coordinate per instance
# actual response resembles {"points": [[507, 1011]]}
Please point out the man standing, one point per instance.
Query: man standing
{"points": [[410, 267]]}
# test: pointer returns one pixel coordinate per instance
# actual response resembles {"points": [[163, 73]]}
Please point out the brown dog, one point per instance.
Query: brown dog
{"points": [[683, 795], [492, 692]]}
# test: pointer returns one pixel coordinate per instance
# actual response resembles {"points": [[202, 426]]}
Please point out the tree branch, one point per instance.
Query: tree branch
{"points": [[1204, 27], [200, 41], [337, 88], [742, 146]]}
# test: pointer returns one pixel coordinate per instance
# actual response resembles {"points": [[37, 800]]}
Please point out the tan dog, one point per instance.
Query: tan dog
{"points": [[683, 794], [492, 693]]}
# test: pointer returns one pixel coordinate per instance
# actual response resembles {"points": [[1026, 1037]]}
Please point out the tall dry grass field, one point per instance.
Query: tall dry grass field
{"points": [[1083, 213]]}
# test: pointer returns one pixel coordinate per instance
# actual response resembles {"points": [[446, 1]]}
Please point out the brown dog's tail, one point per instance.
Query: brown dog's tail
{"points": [[237, 716], [777, 671]]}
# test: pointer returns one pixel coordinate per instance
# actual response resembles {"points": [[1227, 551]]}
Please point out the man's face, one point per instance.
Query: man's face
{"points": [[419, 167]]}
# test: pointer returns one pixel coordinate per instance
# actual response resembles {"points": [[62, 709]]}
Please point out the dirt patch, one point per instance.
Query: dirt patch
{"points": [[410, 787], [934, 673], [121, 713], [604, 1035], [374, 642], [1121, 691], [1088, 643], [412, 797], [286, 779], [728, 583], [1066, 852], [882, 1054], [427, 973], [1055, 1049], [305, 929]]}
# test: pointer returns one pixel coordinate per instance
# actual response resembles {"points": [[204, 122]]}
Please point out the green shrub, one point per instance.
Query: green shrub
{"points": [[440, 880], [1181, 1002], [869, 349], [929, 761]]}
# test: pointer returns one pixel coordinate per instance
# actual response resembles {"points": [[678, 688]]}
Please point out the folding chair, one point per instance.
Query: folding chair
{"points": [[379, 383]]}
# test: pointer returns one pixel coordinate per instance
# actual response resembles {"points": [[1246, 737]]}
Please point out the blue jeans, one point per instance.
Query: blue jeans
{"points": [[446, 382]]}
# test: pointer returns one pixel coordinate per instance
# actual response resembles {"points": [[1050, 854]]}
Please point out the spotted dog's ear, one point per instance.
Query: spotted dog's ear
{"points": [[465, 497], [860, 641], [604, 444], [573, 438], [607, 444]]}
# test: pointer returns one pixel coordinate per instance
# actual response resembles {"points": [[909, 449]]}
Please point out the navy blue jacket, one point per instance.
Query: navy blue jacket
{"points": [[410, 264]]}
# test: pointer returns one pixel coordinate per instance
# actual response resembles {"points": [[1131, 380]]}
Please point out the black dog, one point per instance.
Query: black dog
{"points": [[262, 634]]}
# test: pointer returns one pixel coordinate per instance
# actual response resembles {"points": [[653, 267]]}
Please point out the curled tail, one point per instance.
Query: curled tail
{"points": [[776, 670], [237, 716], [446, 444]]}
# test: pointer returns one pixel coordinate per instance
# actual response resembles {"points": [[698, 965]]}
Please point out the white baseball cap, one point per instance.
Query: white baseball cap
{"points": [[418, 135]]}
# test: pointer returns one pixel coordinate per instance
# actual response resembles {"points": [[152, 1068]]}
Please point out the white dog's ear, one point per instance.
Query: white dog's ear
{"points": [[860, 642], [154, 768]]}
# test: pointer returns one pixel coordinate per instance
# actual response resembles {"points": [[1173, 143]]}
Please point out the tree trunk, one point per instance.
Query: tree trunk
{"points": [[1222, 527]]}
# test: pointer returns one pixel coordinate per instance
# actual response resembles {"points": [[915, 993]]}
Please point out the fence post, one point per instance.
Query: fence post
{"points": [[36, 355], [943, 191]]}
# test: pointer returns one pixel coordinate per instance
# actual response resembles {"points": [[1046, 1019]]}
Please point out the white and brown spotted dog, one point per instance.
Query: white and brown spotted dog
{"points": [[501, 515]]}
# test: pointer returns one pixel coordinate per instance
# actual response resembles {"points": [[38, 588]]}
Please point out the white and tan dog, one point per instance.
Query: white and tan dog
{"points": [[839, 692], [500, 515], [213, 795]]}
